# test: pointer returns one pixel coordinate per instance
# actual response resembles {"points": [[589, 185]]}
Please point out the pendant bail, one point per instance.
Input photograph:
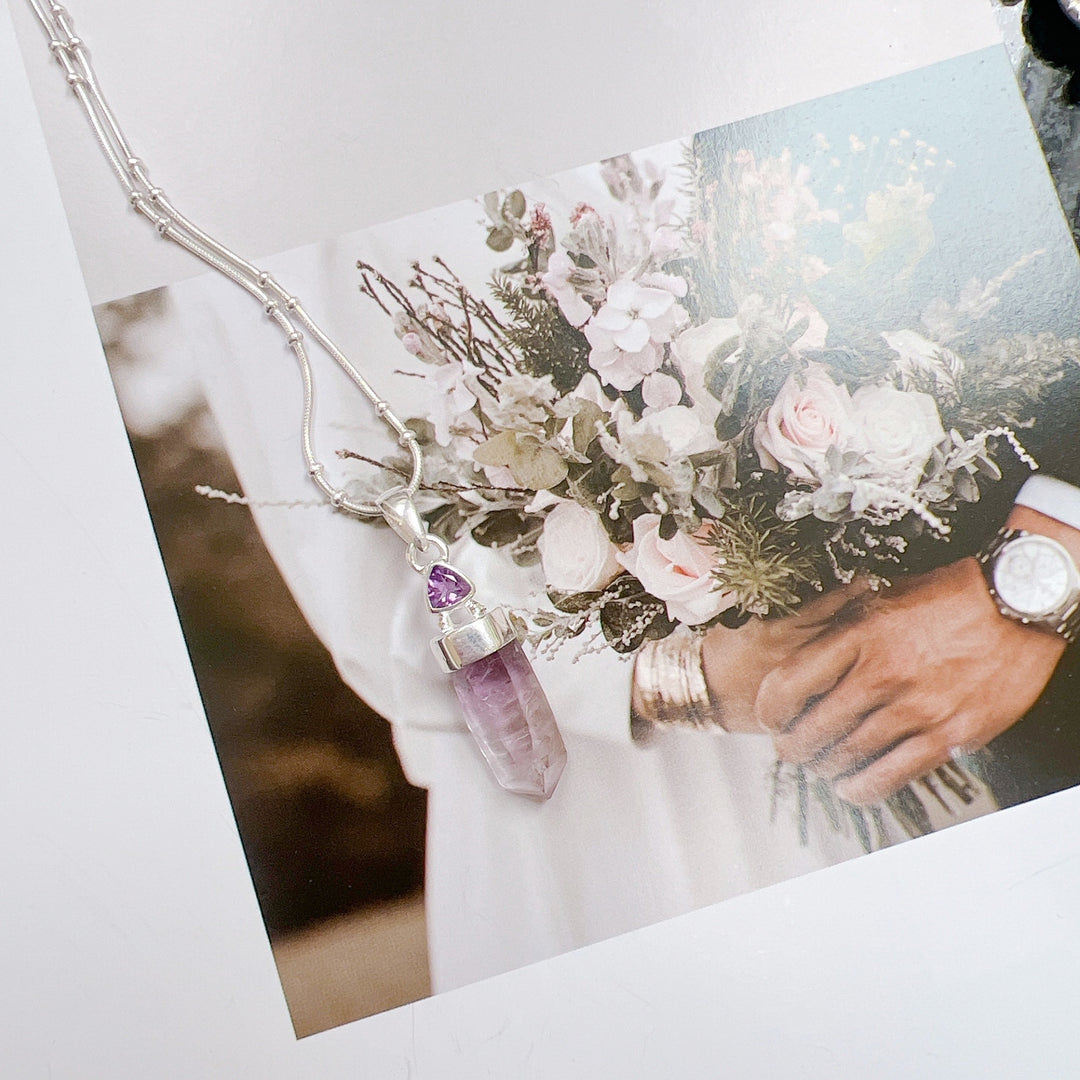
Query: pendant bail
{"points": [[401, 515]]}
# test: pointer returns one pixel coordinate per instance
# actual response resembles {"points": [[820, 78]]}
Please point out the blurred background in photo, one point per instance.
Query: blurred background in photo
{"points": [[332, 831]]}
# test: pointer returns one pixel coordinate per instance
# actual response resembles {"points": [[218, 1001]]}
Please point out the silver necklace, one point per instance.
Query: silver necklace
{"points": [[504, 705]]}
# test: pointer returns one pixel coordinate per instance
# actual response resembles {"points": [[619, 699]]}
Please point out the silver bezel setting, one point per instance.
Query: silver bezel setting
{"points": [[472, 641]]}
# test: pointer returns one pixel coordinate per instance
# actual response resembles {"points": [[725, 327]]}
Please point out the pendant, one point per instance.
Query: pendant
{"points": [[503, 702]]}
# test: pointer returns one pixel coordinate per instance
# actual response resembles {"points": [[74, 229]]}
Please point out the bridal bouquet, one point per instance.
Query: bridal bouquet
{"points": [[651, 402]]}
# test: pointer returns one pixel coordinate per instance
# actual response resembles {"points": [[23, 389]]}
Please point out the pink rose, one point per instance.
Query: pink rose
{"points": [[810, 415], [575, 552], [677, 571]]}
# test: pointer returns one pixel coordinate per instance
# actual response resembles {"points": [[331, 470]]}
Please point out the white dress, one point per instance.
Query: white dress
{"points": [[634, 833]]}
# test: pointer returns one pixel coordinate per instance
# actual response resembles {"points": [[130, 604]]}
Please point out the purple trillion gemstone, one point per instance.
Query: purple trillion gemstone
{"points": [[511, 720], [446, 588]]}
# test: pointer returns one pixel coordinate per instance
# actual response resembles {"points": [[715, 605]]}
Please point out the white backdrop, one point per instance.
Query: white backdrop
{"points": [[281, 123], [132, 945]]}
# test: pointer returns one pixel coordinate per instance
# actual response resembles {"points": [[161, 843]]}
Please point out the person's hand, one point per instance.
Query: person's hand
{"points": [[736, 661], [905, 677]]}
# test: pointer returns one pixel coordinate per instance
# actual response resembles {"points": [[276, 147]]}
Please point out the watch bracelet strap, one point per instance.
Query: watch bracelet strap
{"points": [[670, 685], [1002, 537], [1067, 626]]}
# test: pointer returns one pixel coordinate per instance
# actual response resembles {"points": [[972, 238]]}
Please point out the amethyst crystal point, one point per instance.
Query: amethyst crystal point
{"points": [[510, 718], [447, 587], [500, 695]]}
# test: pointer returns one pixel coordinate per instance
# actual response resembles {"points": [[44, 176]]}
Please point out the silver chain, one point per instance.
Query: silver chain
{"points": [[282, 308]]}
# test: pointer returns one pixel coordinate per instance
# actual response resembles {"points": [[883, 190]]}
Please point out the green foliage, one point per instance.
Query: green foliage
{"points": [[534, 465], [760, 558], [512, 530], [539, 336], [629, 615], [1003, 382]]}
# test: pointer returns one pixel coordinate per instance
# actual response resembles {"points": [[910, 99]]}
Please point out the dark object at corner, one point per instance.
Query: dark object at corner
{"points": [[1054, 38]]}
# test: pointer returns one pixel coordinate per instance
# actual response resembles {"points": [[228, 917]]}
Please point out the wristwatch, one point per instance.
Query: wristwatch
{"points": [[1033, 580]]}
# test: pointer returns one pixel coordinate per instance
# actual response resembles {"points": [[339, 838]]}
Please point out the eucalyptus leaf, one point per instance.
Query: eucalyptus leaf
{"points": [[514, 205], [709, 501], [446, 522], [566, 407], [796, 330], [423, 429], [717, 372], [720, 455], [585, 423], [628, 491], [572, 602], [630, 615], [965, 486], [498, 450], [719, 476], [536, 466], [571, 455], [506, 527], [528, 555], [723, 383], [500, 237], [659, 475]]}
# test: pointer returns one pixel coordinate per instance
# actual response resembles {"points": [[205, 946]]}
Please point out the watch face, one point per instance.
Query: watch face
{"points": [[1034, 576]]}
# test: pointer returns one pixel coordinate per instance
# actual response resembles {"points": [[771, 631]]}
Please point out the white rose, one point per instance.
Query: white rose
{"points": [[575, 552], [664, 435], [897, 430], [677, 571], [810, 414], [715, 340]]}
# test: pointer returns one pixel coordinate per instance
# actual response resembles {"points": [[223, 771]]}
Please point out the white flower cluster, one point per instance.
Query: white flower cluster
{"points": [[609, 282], [861, 454], [681, 421]]}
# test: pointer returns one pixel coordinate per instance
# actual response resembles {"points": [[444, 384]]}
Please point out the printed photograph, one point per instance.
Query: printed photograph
{"points": [[749, 532]]}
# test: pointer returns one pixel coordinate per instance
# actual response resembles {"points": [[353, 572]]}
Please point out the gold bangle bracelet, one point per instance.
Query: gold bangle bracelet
{"points": [[669, 684]]}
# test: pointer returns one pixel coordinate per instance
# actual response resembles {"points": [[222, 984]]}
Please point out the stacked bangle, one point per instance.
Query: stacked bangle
{"points": [[669, 684]]}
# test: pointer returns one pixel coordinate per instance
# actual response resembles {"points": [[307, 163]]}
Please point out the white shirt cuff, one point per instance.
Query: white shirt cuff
{"points": [[1051, 497]]}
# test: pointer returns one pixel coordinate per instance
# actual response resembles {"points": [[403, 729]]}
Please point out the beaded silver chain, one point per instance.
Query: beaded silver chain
{"points": [[285, 310], [504, 704]]}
